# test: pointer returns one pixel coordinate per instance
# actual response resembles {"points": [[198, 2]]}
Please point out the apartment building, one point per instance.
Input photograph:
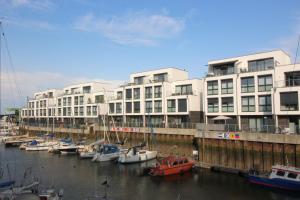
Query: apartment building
{"points": [[163, 97], [74, 104], [255, 91]]}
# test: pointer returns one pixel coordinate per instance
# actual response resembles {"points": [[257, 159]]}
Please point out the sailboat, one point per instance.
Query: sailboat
{"points": [[89, 151]]}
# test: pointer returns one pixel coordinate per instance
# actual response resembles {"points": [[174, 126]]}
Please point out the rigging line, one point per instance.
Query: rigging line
{"points": [[293, 74], [11, 63]]}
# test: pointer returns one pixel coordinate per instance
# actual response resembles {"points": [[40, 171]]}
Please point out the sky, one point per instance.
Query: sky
{"points": [[53, 43]]}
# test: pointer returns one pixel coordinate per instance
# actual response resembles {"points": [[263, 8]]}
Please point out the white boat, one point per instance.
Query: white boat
{"points": [[107, 152], [14, 192], [51, 194], [43, 146], [135, 155], [89, 151]]}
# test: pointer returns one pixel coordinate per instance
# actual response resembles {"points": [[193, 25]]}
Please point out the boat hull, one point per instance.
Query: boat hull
{"points": [[105, 157], [166, 171], [275, 183], [126, 159]]}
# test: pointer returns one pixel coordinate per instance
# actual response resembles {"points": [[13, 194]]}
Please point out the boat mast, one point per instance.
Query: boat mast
{"points": [[0, 63]]}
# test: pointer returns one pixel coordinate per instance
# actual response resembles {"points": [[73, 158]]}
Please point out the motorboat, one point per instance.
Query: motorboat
{"points": [[107, 152], [39, 146], [64, 146], [14, 192], [136, 154], [172, 165], [51, 194], [281, 177]]}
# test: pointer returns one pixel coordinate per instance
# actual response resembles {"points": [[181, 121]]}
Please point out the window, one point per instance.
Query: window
{"points": [[227, 104], [171, 105], [59, 111], [49, 112], [119, 95], [213, 105], [248, 104], [265, 83], [118, 107], [148, 92], [292, 78], [161, 77], [99, 99], [128, 93], [148, 106], [76, 111], [280, 173], [81, 100], [265, 103], [81, 111], [76, 100], [128, 107], [184, 89], [88, 111], [292, 175], [157, 92], [94, 110], [227, 86], [86, 89], [182, 105], [259, 65], [37, 104], [136, 107], [64, 112], [223, 69], [288, 101], [136, 93], [212, 87], [58, 102], [157, 106], [111, 108], [138, 80], [247, 84], [69, 101]]}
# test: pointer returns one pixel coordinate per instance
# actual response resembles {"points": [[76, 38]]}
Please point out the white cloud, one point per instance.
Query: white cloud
{"points": [[36, 24], [37, 4], [289, 43], [16, 87], [133, 28]]}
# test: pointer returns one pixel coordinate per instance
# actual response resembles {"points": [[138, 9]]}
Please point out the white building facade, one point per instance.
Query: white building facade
{"points": [[257, 91], [163, 97]]}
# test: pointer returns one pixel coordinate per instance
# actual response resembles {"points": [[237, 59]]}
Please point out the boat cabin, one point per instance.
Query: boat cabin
{"points": [[173, 161], [285, 172], [108, 149]]}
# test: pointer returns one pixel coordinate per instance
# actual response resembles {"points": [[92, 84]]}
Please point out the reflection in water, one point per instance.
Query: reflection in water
{"points": [[83, 178]]}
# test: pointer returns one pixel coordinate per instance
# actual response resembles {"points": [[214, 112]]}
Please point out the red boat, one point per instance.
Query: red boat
{"points": [[172, 165]]}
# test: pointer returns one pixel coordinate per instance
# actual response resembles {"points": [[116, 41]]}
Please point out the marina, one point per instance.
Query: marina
{"points": [[82, 178]]}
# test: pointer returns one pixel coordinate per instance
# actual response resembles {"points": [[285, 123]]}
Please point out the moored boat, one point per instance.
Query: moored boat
{"points": [[171, 165], [107, 152], [281, 177], [135, 155]]}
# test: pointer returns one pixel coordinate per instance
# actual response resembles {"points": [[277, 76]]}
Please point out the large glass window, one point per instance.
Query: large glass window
{"points": [[69, 101], [289, 101], [64, 102], [227, 86], [161, 77], [128, 107], [86, 89], [248, 104], [119, 95], [265, 103], [76, 111], [76, 100], [212, 87], [265, 83], [136, 93], [259, 65], [247, 84], [148, 92], [292, 78], [157, 92], [136, 107], [138, 80], [58, 102], [212, 105], [81, 100], [99, 99], [128, 93], [227, 104], [88, 111], [111, 108], [184, 89], [171, 105], [118, 107], [94, 110], [148, 106], [157, 106], [182, 105], [81, 110]]}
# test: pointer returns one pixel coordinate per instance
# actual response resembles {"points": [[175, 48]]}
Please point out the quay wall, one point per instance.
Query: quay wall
{"points": [[239, 151]]}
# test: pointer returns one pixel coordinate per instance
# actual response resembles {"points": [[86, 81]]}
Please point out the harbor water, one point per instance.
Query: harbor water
{"points": [[83, 178]]}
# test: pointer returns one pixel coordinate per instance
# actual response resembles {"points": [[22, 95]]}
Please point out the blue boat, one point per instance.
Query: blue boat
{"points": [[281, 177], [6, 184]]}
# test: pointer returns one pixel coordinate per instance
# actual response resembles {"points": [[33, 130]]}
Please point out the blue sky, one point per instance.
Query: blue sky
{"points": [[54, 43]]}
